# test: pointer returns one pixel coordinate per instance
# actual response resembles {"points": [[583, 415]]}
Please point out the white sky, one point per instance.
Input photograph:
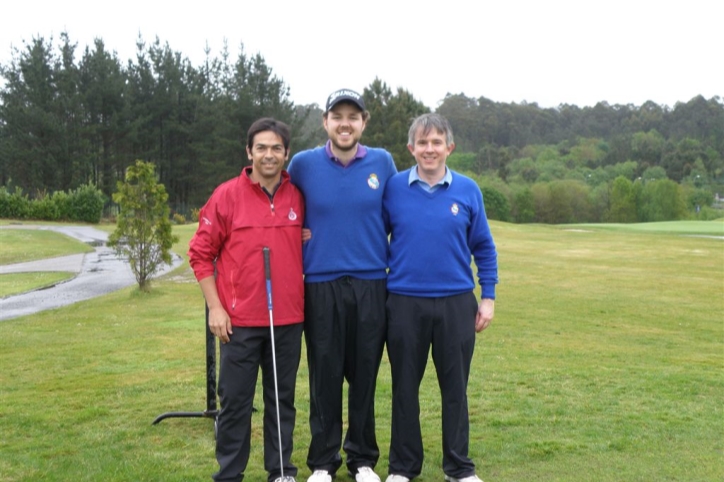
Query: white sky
{"points": [[549, 52]]}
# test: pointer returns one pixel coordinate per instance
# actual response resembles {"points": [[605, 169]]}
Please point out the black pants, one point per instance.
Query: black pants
{"points": [[344, 328], [448, 325], [241, 357]]}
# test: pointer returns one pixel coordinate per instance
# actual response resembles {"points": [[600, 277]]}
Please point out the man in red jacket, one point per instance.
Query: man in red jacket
{"points": [[259, 208]]}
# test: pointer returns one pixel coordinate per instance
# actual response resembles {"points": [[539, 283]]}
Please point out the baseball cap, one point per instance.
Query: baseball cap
{"points": [[343, 95]]}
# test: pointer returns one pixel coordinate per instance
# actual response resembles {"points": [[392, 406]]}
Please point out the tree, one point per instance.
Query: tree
{"points": [[32, 136], [143, 230], [390, 119], [661, 200], [623, 202], [523, 208], [102, 83], [496, 204]]}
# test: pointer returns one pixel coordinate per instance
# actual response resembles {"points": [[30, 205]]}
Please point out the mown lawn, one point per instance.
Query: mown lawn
{"points": [[21, 245], [604, 362]]}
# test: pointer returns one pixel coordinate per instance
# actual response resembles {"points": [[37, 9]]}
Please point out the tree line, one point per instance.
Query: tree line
{"points": [[70, 118]]}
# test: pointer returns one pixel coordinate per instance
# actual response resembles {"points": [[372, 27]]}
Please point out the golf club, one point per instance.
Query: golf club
{"points": [[267, 272]]}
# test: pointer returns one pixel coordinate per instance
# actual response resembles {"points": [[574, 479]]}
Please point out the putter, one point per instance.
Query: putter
{"points": [[267, 272]]}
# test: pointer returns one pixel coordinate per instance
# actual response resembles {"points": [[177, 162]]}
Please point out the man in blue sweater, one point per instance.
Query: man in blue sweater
{"points": [[345, 268], [437, 222]]}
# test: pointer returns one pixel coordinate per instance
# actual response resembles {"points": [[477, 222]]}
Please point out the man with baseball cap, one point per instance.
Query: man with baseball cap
{"points": [[345, 268]]}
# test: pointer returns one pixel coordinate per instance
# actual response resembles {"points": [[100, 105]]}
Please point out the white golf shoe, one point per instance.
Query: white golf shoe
{"points": [[470, 478], [320, 476], [396, 478], [366, 474]]}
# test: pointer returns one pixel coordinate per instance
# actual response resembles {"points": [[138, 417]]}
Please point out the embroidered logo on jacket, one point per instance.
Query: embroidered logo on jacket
{"points": [[373, 182], [454, 209], [292, 215]]}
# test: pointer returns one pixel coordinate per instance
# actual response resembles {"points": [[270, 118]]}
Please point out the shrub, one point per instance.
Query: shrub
{"points": [[14, 205], [86, 204], [195, 215], [61, 200], [43, 208], [523, 206], [496, 204], [143, 231]]}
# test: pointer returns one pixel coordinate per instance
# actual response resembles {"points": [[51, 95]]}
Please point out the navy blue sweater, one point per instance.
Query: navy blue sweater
{"points": [[433, 238]]}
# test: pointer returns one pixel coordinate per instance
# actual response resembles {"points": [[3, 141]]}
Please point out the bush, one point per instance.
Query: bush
{"points": [[86, 204], [496, 204], [179, 218], [14, 205], [83, 204], [523, 206], [707, 213], [43, 208], [61, 200], [143, 231]]}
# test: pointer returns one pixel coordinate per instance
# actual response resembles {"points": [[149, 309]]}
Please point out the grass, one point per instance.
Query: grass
{"points": [[691, 228], [16, 283], [21, 245], [604, 362]]}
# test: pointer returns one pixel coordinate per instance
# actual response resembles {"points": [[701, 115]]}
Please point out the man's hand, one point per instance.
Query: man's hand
{"points": [[220, 324], [486, 311], [306, 235]]}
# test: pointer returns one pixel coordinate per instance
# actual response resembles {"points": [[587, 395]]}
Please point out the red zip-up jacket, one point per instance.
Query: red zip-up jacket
{"points": [[235, 225]]}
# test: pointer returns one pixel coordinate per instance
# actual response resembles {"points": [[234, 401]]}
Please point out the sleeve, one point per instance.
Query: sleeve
{"points": [[482, 246], [206, 243]]}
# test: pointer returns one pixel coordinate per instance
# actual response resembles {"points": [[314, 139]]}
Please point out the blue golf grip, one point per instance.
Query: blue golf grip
{"points": [[267, 273]]}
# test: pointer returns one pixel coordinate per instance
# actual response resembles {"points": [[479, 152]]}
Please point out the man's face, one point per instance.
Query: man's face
{"points": [[344, 126], [267, 155], [430, 152]]}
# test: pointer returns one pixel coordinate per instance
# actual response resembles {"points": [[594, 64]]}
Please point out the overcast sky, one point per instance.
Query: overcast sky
{"points": [[548, 52]]}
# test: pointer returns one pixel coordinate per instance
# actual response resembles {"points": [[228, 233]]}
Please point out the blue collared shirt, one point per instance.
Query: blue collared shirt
{"points": [[415, 177]]}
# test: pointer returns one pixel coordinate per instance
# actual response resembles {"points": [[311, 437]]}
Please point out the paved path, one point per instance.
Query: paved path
{"points": [[98, 273]]}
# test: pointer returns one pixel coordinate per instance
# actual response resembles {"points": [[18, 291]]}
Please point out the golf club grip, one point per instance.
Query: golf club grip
{"points": [[267, 274], [267, 267]]}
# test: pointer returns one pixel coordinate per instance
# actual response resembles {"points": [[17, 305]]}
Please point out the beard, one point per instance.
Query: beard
{"points": [[352, 147]]}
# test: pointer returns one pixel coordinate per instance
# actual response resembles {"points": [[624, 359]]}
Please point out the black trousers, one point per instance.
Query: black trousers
{"points": [[344, 328], [241, 357], [448, 325]]}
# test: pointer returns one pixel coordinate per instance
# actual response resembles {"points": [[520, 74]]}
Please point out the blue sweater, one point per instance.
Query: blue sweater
{"points": [[344, 213], [433, 238]]}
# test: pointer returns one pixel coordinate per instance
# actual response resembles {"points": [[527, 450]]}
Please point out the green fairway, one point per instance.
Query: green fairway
{"points": [[704, 228], [603, 363], [21, 245]]}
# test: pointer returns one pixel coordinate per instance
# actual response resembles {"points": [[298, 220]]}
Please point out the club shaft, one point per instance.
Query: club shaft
{"points": [[267, 272]]}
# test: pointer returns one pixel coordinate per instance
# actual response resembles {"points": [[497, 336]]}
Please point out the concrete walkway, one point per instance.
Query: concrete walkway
{"points": [[98, 273]]}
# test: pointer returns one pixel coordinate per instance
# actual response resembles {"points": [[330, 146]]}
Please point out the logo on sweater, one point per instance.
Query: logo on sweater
{"points": [[373, 182], [454, 209], [292, 215]]}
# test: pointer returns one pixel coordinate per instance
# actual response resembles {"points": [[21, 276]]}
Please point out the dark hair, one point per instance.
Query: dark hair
{"points": [[269, 124]]}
